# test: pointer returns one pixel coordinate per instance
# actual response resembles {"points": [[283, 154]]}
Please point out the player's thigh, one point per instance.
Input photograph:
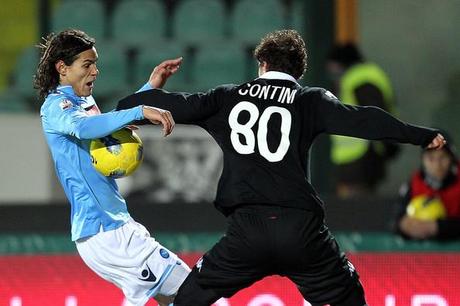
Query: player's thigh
{"points": [[354, 296], [232, 264], [226, 268], [323, 273], [134, 261]]}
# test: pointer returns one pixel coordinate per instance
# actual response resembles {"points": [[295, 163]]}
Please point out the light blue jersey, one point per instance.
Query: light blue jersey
{"points": [[69, 123]]}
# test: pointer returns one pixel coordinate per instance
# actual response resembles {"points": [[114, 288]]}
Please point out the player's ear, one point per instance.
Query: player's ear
{"points": [[61, 67], [263, 67]]}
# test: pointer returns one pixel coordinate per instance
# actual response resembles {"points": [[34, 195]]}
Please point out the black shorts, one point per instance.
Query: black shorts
{"points": [[268, 240]]}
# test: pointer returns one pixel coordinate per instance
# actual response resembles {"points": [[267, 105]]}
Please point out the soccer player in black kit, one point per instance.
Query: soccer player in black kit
{"points": [[265, 128]]}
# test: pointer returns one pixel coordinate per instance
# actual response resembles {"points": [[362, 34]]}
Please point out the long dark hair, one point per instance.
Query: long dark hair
{"points": [[65, 46]]}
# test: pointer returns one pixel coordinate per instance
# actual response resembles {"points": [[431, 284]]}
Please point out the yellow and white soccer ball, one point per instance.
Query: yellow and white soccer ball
{"points": [[117, 155], [426, 208]]}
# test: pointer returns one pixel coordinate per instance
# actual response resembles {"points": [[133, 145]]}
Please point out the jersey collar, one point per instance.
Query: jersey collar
{"points": [[277, 75], [66, 89]]}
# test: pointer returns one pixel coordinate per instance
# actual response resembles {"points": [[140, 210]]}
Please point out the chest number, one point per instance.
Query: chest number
{"points": [[246, 130]]}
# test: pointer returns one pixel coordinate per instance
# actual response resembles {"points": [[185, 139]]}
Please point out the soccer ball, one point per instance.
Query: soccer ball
{"points": [[426, 208], [117, 155]]}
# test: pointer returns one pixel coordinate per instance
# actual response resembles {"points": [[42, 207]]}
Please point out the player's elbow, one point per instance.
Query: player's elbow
{"points": [[80, 134], [82, 131]]}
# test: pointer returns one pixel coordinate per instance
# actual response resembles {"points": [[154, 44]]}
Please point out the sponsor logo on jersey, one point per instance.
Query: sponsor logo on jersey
{"points": [[147, 275], [164, 253], [65, 104]]}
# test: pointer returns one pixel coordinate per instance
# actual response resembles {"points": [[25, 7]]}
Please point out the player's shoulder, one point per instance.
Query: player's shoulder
{"points": [[317, 94], [307, 93], [313, 90], [222, 93], [225, 88], [57, 101]]}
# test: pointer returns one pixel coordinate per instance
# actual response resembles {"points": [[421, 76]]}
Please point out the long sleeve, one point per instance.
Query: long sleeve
{"points": [[185, 108], [73, 121], [369, 95], [368, 122], [104, 124]]}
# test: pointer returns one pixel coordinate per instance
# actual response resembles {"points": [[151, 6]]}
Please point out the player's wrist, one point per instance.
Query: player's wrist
{"points": [[144, 111]]}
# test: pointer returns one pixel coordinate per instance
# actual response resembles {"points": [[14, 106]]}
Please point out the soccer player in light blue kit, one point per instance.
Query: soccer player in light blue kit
{"points": [[109, 241]]}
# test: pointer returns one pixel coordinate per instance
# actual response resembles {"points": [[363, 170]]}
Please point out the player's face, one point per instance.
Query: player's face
{"points": [[437, 163], [82, 73]]}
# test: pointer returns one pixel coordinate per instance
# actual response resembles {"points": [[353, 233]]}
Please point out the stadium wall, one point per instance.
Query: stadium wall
{"points": [[406, 273], [364, 214]]}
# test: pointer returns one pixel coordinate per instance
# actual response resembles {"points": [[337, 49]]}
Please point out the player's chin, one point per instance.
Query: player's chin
{"points": [[87, 91]]}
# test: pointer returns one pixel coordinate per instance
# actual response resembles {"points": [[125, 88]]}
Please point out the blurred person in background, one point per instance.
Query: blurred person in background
{"points": [[447, 113], [265, 128], [359, 163], [429, 207], [108, 240]]}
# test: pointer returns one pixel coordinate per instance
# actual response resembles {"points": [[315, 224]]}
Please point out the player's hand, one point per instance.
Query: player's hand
{"points": [[160, 116], [437, 143], [163, 71], [418, 229]]}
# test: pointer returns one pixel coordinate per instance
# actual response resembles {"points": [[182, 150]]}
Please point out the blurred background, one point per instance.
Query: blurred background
{"points": [[414, 42]]}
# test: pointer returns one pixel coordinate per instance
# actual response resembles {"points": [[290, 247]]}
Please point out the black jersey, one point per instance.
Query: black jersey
{"points": [[265, 129]]}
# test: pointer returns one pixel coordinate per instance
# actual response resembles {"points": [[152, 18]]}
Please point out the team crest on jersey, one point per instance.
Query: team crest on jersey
{"points": [[65, 104], [330, 95]]}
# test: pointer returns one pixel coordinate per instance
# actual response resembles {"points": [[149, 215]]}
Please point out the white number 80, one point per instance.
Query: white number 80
{"points": [[246, 130]]}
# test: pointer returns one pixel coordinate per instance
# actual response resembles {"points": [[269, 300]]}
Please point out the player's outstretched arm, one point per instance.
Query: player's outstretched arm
{"points": [[368, 122], [186, 108], [73, 121], [97, 126]]}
